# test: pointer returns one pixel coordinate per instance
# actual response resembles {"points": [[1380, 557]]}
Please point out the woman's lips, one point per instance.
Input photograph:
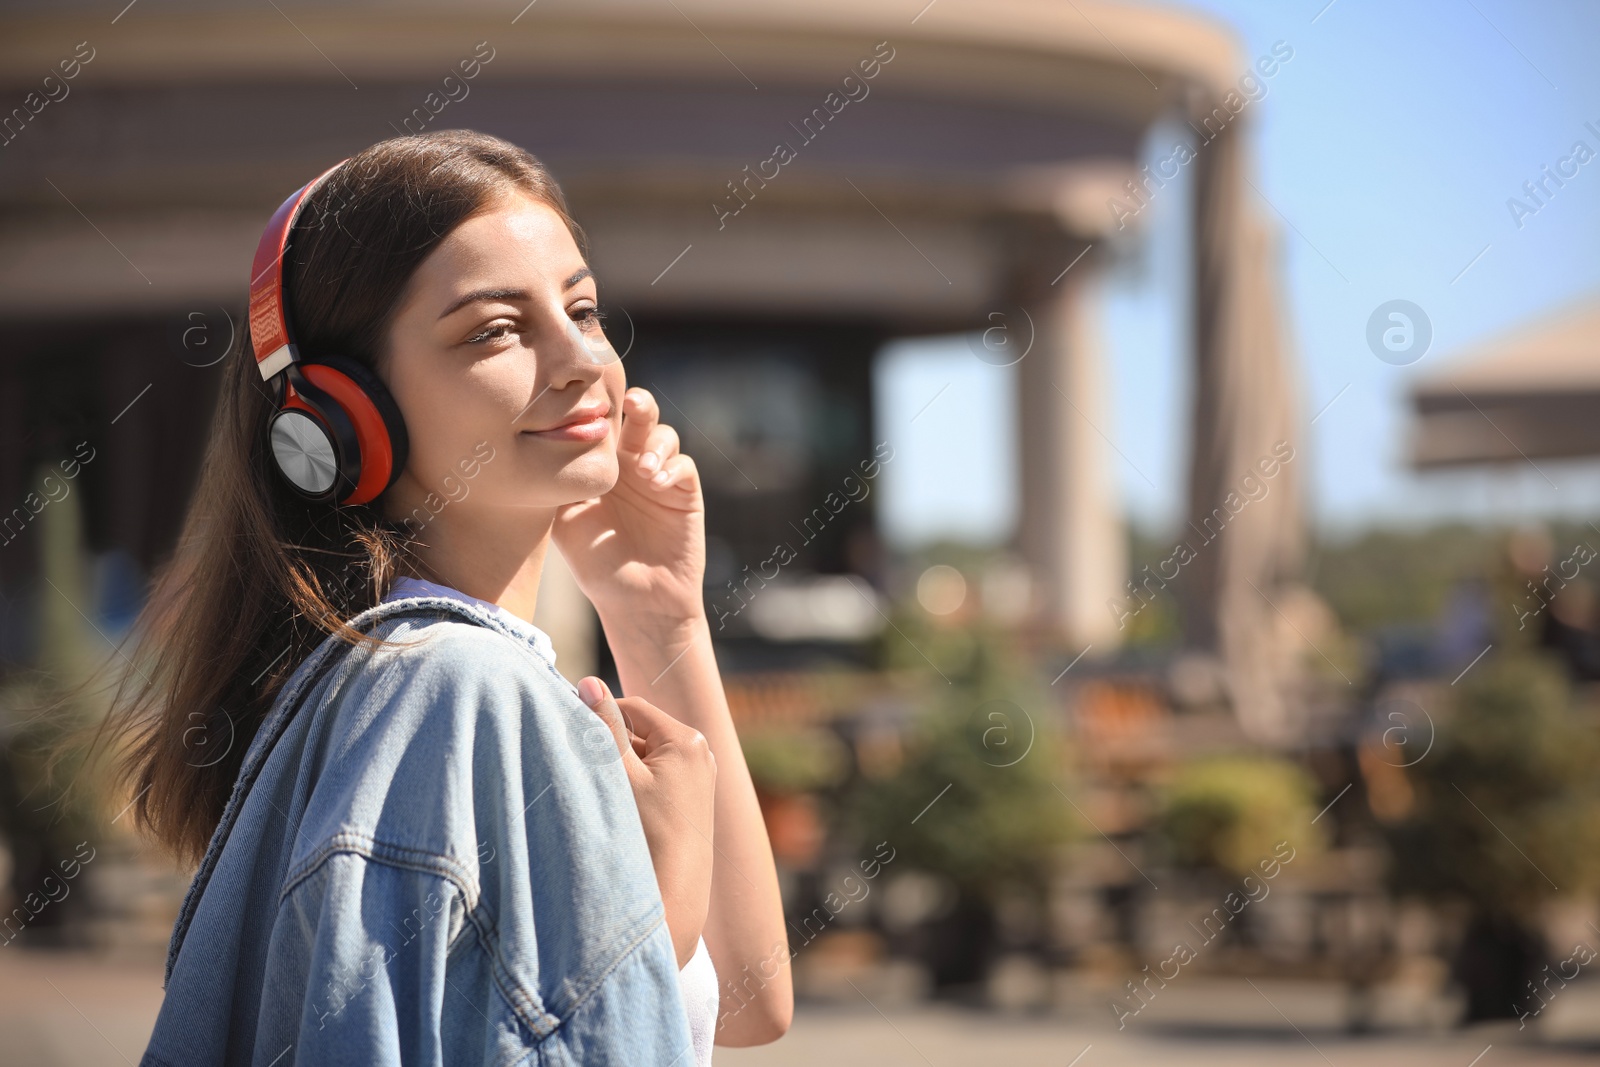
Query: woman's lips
{"points": [[593, 428]]}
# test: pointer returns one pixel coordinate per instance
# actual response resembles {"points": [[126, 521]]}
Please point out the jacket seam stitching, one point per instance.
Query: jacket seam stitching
{"points": [[383, 619], [353, 842], [490, 943], [304, 681], [622, 957], [526, 1006]]}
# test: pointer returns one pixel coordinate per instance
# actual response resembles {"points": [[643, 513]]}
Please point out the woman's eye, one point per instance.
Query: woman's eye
{"points": [[589, 316], [490, 333]]}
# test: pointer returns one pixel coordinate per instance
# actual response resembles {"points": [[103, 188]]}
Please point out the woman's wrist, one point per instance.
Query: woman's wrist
{"points": [[671, 629]]}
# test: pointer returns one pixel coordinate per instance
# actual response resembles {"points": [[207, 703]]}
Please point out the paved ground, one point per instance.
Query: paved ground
{"points": [[949, 1038], [58, 1009]]}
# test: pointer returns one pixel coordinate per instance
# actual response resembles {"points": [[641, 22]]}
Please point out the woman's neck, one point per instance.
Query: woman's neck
{"points": [[494, 554]]}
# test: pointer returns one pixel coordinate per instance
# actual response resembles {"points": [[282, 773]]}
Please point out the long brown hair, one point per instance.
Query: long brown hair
{"points": [[260, 576]]}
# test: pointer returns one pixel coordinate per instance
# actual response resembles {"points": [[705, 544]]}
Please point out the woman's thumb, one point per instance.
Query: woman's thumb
{"points": [[594, 693]]}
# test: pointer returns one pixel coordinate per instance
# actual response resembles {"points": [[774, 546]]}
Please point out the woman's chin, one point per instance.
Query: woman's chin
{"points": [[588, 476]]}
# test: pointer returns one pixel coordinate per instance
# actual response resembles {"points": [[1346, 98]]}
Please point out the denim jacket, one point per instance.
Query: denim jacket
{"points": [[432, 854]]}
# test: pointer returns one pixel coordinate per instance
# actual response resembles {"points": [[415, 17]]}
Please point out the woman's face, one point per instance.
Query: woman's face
{"points": [[511, 395]]}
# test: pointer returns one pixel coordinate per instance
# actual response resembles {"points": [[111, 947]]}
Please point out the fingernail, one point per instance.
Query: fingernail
{"points": [[649, 461], [661, 477], [590, 691]]}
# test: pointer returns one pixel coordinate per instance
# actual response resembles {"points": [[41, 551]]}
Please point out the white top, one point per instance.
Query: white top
{"points": [[697, 980], [698, 983]]}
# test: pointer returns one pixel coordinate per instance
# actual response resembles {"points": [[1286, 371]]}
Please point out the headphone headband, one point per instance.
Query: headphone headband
{"points": [[269, 322]]}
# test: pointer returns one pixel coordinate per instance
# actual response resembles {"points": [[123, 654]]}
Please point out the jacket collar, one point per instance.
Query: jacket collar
{"points": [[406, 588]]}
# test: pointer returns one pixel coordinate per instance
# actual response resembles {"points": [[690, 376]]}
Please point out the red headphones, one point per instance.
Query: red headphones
{"points": [[337, 435]]}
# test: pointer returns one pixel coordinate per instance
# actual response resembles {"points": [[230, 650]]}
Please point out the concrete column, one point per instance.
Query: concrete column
{"points": [[1071, 530], [1247, 528]]}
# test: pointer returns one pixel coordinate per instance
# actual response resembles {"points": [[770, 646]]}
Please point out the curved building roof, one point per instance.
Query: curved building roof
{"points": [[1532, 392]]}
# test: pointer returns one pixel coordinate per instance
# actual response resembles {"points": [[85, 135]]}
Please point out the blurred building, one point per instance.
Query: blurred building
{"points": [[771, 191], [1531, 393]]}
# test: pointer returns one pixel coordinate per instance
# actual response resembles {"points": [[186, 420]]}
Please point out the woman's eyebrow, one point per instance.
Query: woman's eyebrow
{"points": [[484, 294], [509, 294]]}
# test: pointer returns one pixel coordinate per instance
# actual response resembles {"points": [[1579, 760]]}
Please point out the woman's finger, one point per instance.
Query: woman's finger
{"points": [[659, 447], [655, 727], [639, 416], [678, 472]]}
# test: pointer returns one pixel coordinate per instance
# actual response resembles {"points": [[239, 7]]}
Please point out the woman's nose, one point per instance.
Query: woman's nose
{"points": [[586, 348], [574, 356]]}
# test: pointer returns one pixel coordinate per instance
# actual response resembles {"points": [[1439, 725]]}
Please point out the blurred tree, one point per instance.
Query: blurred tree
{"points": [[975, 800], [789, 766], [1226, 814], [1507, 817], [1154, 624], [1396, 576], [989, 822], [794, 760], [41, 818]]}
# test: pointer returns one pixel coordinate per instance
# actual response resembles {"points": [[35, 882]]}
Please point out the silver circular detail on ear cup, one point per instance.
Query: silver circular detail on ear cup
{"points": [[304, 451]]}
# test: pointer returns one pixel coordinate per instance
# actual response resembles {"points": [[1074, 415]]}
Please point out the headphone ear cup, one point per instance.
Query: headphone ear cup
{"points": [[306, 449], [315, 444], [388, 410], [370, 409]]}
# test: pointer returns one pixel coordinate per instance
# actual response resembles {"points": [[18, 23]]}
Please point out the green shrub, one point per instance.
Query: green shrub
{"points": [[1225, 814]]}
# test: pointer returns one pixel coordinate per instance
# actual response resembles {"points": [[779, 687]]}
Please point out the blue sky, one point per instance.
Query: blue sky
{"points": [[1386, 151]]}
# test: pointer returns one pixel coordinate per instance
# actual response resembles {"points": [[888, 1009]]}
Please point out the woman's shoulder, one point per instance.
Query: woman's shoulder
{"points": [[447, 720], [455, 751], [446, 678]]}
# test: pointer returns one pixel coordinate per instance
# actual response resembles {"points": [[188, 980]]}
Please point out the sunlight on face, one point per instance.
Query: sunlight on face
{"points": [[500, 368]]}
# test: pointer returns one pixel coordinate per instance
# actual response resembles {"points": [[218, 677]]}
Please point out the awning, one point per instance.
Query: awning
{"points": [[1533, 393]]}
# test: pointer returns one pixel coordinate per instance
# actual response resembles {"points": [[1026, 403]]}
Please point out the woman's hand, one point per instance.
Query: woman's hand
{"points": [[674, 777], [639, 552]]}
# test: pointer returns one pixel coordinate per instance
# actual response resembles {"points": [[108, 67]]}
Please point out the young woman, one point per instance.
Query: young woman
{"points": [[419, 844]]}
